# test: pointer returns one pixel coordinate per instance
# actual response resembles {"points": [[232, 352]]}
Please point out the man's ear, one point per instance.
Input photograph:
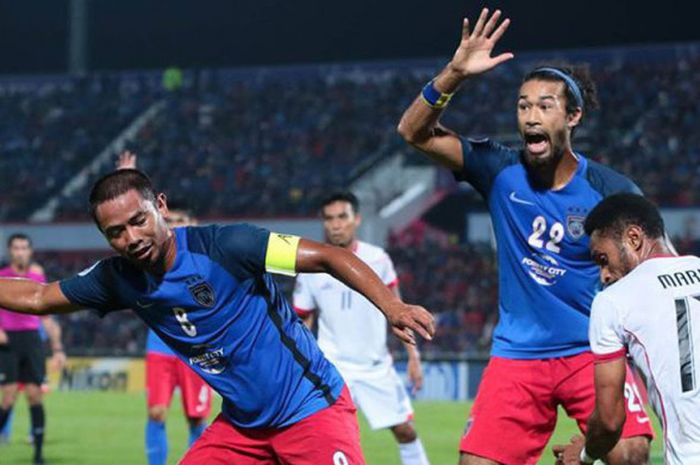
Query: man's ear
{"points": [[634, 236], [573, 119], [162, 204]]}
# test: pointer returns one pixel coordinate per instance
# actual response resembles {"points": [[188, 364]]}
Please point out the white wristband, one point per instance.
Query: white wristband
{"points": [[585, 458]]}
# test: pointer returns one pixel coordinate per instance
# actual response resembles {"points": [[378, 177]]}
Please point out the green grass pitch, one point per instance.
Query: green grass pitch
{"points": [[88, 428]]}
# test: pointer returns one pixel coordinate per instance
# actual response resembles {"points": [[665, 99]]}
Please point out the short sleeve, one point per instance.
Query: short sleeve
{"points": [[304, 302], [387, 272], [606, 333], [483, 160], [93, 288], [242, 248]]}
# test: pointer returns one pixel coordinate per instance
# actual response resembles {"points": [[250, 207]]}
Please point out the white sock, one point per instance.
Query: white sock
{"points": [[412, 453]]}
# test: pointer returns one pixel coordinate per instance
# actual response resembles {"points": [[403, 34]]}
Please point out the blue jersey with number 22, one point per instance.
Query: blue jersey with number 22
{"points": [[547, 280], [222, 314]]}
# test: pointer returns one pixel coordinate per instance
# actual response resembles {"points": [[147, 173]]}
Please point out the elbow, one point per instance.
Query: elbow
{"points": [[409, 135], [405, 133]]}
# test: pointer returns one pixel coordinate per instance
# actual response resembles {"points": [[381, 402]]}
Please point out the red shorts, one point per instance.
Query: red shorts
{"points": [[164, 373], [328, 437], [515, 411]]}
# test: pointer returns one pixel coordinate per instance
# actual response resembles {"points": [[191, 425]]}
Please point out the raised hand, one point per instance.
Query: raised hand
{"points": [[473, 56], [406, 320], [127, 160]]}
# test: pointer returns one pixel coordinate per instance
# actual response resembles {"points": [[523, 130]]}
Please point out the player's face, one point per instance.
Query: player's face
{"points": [[340, 223], [136, 227], [178, 218], [543, 123], [20, 252], [614, 257]]}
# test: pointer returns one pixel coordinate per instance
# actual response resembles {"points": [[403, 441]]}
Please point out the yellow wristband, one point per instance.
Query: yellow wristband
{"points": [[281, 254]]}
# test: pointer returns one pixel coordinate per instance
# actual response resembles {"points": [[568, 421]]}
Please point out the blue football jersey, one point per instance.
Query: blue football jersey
{"points": [[547, 279], [155, 345], [223, 315]]}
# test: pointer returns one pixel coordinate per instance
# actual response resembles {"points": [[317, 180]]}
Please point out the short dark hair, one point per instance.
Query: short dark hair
{"points": [[18, 237], [615, 213], [581, 74], [342, 196], [116, 183]]}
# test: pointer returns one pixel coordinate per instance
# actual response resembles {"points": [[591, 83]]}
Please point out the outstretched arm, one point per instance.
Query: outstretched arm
{"points": [[419, 125], [314, 257], [27, 296]]}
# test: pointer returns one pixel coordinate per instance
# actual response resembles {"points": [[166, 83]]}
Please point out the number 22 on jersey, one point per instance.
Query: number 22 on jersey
{"points": [[539, 229]]}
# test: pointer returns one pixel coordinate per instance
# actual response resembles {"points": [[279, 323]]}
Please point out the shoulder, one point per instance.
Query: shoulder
{"points": [[36, 268], [607, 181], [204, 239], [370, 251]]}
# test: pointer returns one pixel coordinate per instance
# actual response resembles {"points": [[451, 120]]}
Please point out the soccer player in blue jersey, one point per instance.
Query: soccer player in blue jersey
{"points": [[165, 371], [538, 198], [207, 293]]}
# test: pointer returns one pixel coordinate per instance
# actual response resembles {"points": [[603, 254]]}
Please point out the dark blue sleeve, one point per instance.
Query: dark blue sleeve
{"points": [[241, 249], [93, 288], [608, 181], [483, 160]]}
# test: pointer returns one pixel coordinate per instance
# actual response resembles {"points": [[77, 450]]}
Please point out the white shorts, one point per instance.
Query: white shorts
{"points": [[381, 395]]}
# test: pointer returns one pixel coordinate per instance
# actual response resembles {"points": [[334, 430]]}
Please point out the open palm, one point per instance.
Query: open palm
{"points": [[473, 56]]}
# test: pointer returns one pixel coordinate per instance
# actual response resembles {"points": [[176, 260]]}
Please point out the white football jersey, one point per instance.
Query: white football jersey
{"points": [[351, 330], [654, 312]]}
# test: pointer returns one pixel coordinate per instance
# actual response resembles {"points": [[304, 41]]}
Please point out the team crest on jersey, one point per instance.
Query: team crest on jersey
{"points": [[574, 225], [203, 294]]}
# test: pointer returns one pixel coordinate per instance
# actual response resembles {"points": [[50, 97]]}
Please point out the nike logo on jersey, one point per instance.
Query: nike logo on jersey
{"points": [[144, 304], [515, 199], [643, 420]]}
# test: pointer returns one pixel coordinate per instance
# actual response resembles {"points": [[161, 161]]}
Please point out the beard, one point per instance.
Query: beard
{"points": [[557, 148], [627, 263]]}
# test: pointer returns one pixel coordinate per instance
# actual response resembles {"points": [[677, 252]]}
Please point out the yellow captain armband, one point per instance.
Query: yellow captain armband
{"points": [[281, 254]]}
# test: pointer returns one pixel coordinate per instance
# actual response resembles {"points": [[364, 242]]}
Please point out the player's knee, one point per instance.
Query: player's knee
{"points": [[630, 451], [404, 433], [34, 394], [158, 413], [9, 397], [196, 421]]}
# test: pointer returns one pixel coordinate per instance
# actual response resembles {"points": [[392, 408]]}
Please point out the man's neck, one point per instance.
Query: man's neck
{"points": [[657, 248], [19, 269], [168, 259], [557, 175]]}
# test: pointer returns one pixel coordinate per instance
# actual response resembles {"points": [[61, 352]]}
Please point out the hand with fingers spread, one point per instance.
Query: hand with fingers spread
{"points": [[406, 320], [473, 56]]}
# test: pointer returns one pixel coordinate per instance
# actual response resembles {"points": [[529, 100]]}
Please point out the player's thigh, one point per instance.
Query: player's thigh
{"points": [[32, 359], [8, 366], [224, 444], [383, 399], [329, 437], [160, 379], [196, 394], [577, 395], [514, 413]]}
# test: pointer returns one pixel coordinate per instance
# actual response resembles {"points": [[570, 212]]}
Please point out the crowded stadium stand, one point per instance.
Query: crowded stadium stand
{"points": [[270, 142]]}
